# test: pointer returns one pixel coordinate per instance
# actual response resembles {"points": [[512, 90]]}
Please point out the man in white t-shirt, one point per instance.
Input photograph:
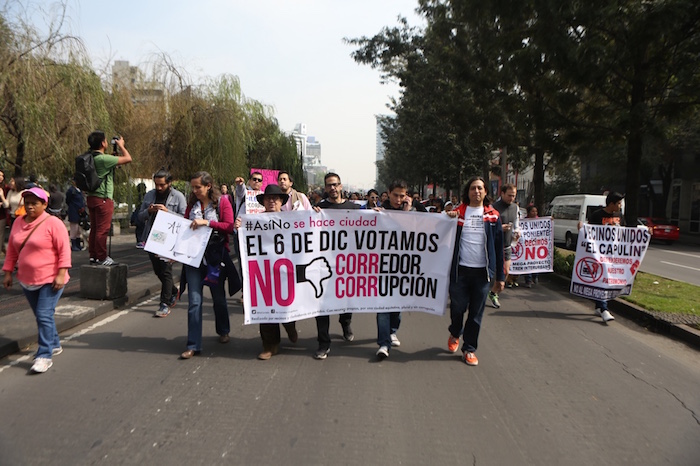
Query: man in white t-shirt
{"points": [[478, 257]]}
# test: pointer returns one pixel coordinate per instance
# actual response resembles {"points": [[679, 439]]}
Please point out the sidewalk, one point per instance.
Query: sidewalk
{"points": [[18, 330]]}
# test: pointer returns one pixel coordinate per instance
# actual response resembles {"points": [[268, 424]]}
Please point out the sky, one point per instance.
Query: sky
{"points": [[288, 54]]}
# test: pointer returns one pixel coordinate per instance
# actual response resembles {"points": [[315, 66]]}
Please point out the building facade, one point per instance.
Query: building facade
{"points": [[309, 149]]}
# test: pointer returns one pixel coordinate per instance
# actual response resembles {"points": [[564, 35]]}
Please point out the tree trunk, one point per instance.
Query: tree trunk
{"points": [[666, 173], [504, 165], [634, 157], [538, 178], [634, 141], [19, 160], [538, 169]]}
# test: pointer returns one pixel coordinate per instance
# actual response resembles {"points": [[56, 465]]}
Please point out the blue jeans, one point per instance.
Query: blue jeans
{"points": [[602, 305], [195, 277], [43, 302], [469, 291], [387, 323]]}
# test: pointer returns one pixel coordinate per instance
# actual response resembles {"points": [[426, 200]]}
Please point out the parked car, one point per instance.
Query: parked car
{"points": [[567, 211], [661, 229]]}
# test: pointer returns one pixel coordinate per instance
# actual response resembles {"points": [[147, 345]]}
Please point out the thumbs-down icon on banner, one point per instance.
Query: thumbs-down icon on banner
{"points": [[315, 272]]}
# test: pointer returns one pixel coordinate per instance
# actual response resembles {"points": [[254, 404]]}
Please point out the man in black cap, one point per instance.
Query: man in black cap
{"points": [[609, 215]]}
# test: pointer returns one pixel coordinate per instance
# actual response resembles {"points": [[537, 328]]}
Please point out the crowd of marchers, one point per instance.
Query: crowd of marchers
{"points": [[479, 270]]}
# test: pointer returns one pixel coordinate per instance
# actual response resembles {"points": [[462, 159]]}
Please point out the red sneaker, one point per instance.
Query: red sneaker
{"points": [[470, 359], [452, 344]]}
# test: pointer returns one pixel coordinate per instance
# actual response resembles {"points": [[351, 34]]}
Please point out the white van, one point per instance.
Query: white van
{"points": [[567, 211]]}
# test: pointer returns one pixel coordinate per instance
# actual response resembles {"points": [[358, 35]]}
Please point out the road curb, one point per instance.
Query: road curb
{"points": [[644, 318]]}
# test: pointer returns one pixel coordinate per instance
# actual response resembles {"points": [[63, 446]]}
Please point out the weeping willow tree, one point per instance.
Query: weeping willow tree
{"points": [[206, 129], [139, 112], [214, 127], [51, 98]]}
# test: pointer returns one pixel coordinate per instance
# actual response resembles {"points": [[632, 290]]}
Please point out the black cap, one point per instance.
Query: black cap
{"points": [[272, 190]]}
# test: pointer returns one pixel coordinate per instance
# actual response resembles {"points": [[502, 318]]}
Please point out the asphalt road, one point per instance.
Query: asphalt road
{"points": [[678, 262], [554, 386]]}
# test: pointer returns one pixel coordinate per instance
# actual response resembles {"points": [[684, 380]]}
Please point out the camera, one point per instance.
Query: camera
{"points": [[114, 144]]}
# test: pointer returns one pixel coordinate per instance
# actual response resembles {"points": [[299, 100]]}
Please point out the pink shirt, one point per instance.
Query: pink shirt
{"points": [[296, 201], [46, 251]]}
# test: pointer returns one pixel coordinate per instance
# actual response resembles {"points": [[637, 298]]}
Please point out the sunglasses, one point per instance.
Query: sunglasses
{"points": [[257, 180], [332, 185]]}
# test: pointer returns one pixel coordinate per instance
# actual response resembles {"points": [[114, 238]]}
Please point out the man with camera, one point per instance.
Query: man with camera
{"points": [[100, 202], [167, 199]]}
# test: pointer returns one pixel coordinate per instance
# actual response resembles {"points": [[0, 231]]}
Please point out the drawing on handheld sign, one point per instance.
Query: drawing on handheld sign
{"points": [[517, 251], [172, 238], [589, 270], [315, 273]]}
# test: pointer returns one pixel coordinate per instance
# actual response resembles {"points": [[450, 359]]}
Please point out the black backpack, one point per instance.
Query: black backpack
{"points": [[86, 173]]}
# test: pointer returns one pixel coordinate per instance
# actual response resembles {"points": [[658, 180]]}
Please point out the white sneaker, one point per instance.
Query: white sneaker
{"points": [[41, 365], [383, 352], [54, 352], [395, 340], [607, 317], [107, 261]]}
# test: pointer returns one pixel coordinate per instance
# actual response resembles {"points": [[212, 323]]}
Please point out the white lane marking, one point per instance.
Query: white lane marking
{"points": [[682, 253], [679, 265], [104, 321], [26, 357]]}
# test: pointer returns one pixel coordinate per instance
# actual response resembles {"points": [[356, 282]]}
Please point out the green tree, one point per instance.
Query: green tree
{"points": [[269, 147], [51, 99], [634, 66]]}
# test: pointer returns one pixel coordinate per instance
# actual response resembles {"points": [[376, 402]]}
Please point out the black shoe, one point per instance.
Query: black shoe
{"points": [[293, 334], [322, 353], [347, 333]]}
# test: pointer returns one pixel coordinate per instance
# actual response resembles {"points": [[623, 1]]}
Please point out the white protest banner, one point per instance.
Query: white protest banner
{"points": [[303, 264], [172, 238], [251, 202], [607, 259], [534, 251]]}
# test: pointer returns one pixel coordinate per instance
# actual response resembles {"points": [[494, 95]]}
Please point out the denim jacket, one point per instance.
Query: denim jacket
{"points": [[493, 232]]}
